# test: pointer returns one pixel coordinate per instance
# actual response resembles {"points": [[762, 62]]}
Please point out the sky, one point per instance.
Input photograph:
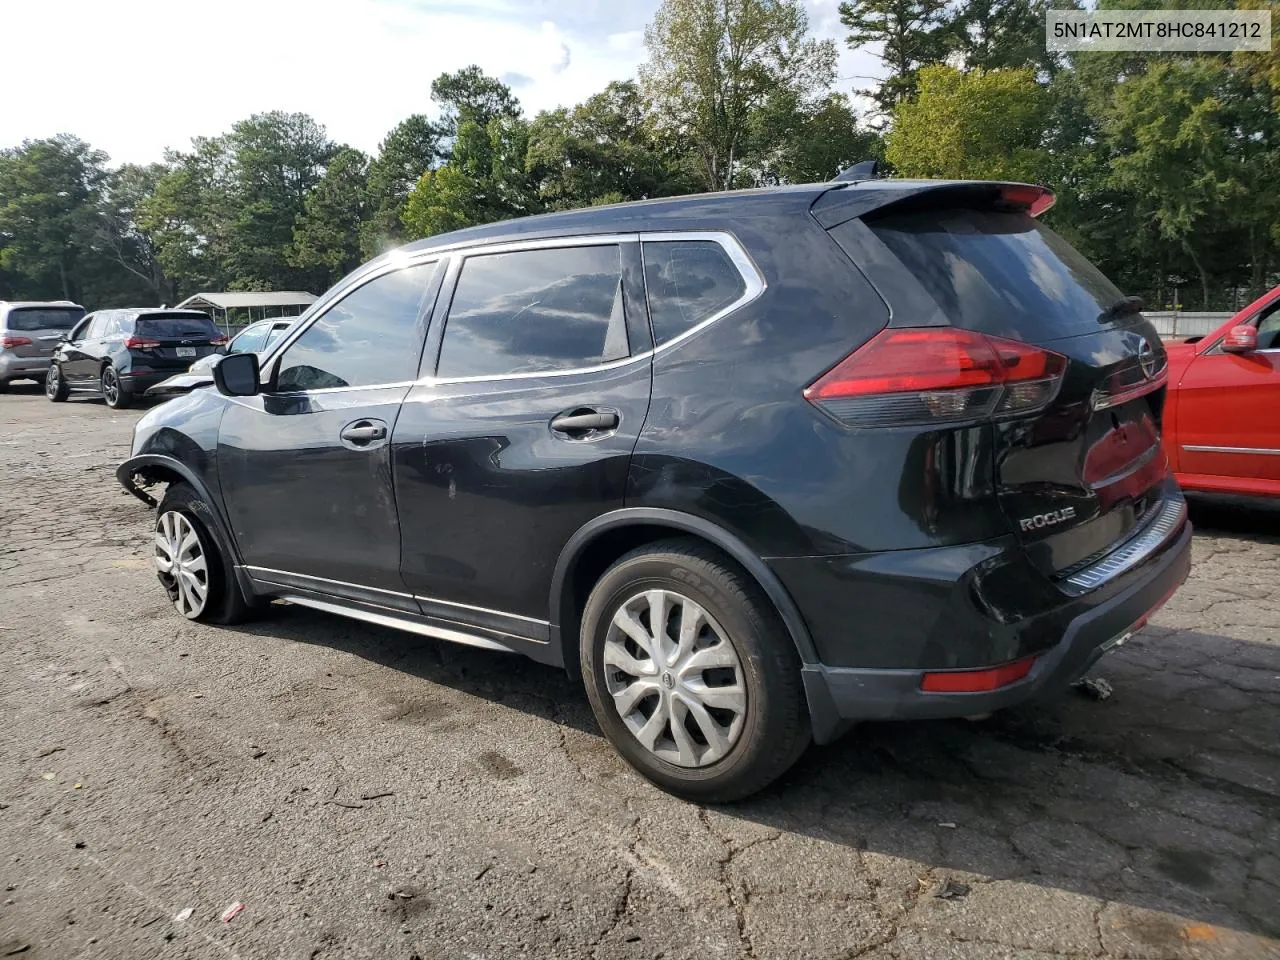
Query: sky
{"points": [[133, 77]]}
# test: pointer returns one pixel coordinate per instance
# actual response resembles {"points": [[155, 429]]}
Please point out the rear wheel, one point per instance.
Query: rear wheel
{"points": [[117, 395], [55, 388], [690, 673], [193, 566]]}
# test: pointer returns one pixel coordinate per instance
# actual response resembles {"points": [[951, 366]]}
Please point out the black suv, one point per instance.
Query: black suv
{"points": [[118, 354], [758, 465]]}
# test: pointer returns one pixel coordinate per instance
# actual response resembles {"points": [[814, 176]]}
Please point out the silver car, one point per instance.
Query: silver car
{"points": [[255, 338], [29, 330]]}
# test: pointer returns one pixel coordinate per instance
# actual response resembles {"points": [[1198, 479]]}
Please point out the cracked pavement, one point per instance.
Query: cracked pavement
{"points": [[371, 794]]}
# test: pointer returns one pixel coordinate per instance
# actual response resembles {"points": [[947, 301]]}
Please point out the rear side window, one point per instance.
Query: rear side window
{"points": [[534, 311], [370, 337], [688, 282], [43, 318], [999, 273], [175, 328]]}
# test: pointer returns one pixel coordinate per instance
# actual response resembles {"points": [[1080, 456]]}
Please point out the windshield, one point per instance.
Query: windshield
{"points": [[177, 328], [44, 318], [1001, 273]]}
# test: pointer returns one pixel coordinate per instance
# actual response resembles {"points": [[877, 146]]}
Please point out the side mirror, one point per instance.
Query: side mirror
{"points": [[236, 375], [1241, 339]]}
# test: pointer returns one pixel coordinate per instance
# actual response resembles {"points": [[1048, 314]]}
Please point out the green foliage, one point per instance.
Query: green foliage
{"points": [[910, 33], [714, 65], [327, 235], [49, 190], [980, 125], [409, 151]]}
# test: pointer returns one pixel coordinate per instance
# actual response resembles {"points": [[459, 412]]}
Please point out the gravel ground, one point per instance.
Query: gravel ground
{"points": [[369, 794]]}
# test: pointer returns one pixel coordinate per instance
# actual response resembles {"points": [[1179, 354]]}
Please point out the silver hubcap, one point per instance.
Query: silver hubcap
{"points": [[110, 389], [675, 678], [181, 563], [51, 381]]}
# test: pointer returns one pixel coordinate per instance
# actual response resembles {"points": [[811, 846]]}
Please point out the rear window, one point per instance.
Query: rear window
{"points": [[44, 318], [999, 273], [175, 328]]}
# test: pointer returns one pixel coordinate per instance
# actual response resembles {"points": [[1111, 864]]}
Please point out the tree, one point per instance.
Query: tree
{"points": [[411, 149], [121, 235], [327, 235], [485, 180], [49, 196], [994, 34], [910, 33], [813, 143], [980, 125], [602, 148], [470, 94], [713, 66], [276, 159]]}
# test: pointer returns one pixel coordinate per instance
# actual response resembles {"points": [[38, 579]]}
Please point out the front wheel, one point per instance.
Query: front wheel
{"points": [[114, 392], [194, 568], [690, 673], [55, 388]]}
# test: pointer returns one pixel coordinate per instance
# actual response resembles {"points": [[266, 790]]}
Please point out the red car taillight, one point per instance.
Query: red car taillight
{"points": [[977, 681], [15, 341], [141, 343], [922, 375], [218, 341]]}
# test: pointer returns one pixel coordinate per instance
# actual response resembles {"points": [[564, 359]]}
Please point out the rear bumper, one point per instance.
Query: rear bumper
{"points": [[18, 368], [1084, 628]]}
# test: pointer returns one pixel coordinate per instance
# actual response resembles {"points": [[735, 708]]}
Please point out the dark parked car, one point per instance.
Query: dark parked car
{"points": [[117, 354], [758, 465]]}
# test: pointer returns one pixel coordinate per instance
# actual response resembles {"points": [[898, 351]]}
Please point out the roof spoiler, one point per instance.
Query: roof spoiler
{"points": [[839, 205]]}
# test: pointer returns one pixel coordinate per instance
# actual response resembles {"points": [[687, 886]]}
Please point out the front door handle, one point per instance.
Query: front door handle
{"points": [[364, 431], [582, 422]]}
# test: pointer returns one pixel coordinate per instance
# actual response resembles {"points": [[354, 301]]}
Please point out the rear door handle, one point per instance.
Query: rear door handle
{"points": [[364, 431], [582, 422]]}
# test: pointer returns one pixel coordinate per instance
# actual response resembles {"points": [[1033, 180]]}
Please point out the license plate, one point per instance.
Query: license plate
{"points": [[186, 351]]}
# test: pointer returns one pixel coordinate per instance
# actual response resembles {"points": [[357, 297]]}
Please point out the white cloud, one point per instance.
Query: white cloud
{"points": [[135, 76]]}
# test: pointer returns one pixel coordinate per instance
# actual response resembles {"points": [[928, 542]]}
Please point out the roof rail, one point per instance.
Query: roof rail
{"points": [[865, 170]]}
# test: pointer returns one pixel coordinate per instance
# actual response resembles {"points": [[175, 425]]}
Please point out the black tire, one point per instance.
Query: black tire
{"points": [[117, 394], [775, 726], [4, 386], [224, 602], [55, 387]]}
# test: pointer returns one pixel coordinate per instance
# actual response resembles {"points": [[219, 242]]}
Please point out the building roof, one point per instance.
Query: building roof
{"points": [[230, 301]]}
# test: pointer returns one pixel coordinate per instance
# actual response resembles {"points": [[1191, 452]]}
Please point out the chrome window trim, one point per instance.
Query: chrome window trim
{"points": [[1169, 518], [1203, 448], [752, 278]]}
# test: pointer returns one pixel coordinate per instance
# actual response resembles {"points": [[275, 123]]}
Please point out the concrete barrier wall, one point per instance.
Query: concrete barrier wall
{"points": [[1177, 324]]}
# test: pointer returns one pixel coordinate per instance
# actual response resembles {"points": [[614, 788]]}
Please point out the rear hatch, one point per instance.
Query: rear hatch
{"points": [[173, 341], [1080, 472], [35, 331]]}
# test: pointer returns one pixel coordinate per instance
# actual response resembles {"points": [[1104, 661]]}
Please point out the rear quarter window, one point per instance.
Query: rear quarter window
{"points": [[42, 318], [687, 283], [998, 272]]}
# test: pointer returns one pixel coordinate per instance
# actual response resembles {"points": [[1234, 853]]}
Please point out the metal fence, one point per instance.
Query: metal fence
{"points": [[1176, 324]]}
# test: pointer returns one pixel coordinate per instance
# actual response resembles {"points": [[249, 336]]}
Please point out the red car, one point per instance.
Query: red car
{"points": [[1222, 418]]}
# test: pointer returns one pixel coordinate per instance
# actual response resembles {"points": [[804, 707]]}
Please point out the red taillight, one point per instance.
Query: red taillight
{"points": [[218, 341], [15, 341], [1036, 199], [977, 681], [141, 343], [936, 375]]}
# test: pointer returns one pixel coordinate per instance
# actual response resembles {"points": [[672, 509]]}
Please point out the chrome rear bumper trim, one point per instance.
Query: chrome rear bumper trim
{"points": [[1168, 519]]}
